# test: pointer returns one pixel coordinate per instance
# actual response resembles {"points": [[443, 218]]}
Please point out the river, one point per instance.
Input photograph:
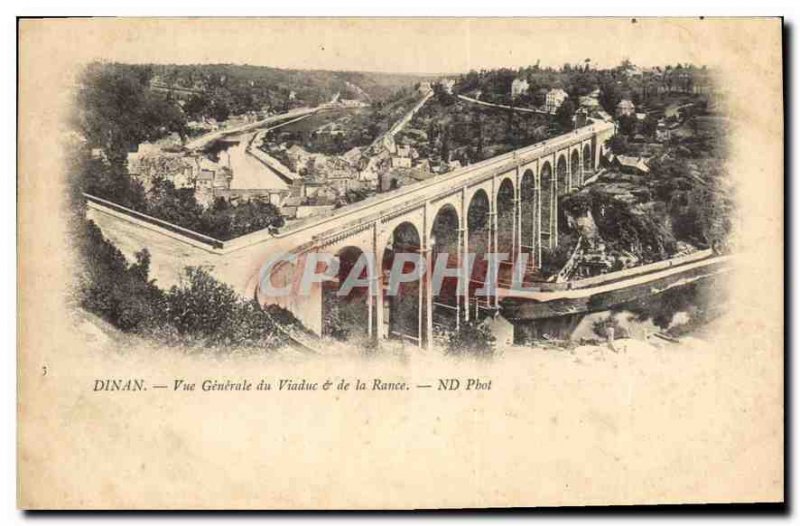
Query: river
{"points": [[676, 312], [248, 172]]}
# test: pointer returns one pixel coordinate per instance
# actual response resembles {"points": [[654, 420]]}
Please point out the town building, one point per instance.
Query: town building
{"points": [[589, 103], [625, 108], [401, 162], [554, 99], [447, 85], [331, 129], [519, 87], [663, 133]]}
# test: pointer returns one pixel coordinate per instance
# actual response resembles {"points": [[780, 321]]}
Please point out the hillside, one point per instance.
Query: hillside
{"points": [[259, 85]]}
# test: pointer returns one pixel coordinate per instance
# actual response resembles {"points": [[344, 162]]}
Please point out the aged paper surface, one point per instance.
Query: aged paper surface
{"points": [[595, 409]]}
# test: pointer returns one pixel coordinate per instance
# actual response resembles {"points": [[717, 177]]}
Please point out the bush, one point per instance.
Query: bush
{"points": [[604, 327], [201, 307], [553, 260], [198, 311], [117, 292], [473, 338]]}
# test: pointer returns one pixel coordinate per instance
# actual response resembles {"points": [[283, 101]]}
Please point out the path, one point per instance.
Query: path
{"points": [[501, 106]]}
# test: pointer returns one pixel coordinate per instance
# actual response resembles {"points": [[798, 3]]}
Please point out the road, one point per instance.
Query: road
{"points": [[204, 140], [501, 106]]}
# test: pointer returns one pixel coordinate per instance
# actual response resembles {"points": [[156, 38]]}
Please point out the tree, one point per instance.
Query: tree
{"points": [[111, 288], [609, 96], [220, 110], [116, 110], [627, 124], [106, 179], [473, 338], [200, 310], [211, 312], [565, 114], [198, 106]]}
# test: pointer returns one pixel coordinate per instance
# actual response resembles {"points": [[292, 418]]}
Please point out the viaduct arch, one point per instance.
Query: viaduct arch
{"points": [[507, 203]]}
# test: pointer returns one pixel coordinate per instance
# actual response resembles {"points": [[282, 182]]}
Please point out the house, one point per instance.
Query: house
{"points": [[150, 163], [663, 132], [519, 87], [352, 156], [447, 85], [625, 108], [401, 162], [424, 165], [397, 177], [332, 129], [352, 103], [554, 99], [99, 153], [368, 175], [633, 71], [589, 103], [204, 180]]}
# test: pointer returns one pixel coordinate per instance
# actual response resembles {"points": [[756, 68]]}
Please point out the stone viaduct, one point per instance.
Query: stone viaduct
{"points": [[504, 204]]}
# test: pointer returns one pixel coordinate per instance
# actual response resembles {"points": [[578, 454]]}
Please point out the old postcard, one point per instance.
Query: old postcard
{"points": [[327, 263]]}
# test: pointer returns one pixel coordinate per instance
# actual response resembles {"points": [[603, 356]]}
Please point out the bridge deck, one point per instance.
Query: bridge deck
{"points": [[612, 283], [412, 195]]}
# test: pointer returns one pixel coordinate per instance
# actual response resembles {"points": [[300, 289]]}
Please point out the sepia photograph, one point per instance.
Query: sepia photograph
{"points": [[561, 207], [320, 265]]}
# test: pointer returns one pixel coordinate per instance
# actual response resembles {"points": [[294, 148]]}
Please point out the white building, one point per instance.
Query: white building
{"points": [[590, 103], [519, 87], [625, 108], [554, 99], [448, 84]]}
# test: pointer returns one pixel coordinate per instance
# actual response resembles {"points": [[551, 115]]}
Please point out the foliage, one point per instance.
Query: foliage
{"points": [[609, 327], [553, 260], [108, 180], [244, 88], [470, 133], [472, 339], [626, 219], [564, 115], [116, 110], [205, 309], [334, 318], [111, 288], [225, 220], [222, 220], [200, 310]]}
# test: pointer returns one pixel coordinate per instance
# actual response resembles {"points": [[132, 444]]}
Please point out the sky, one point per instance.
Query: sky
{"points": [[426, 46]]}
